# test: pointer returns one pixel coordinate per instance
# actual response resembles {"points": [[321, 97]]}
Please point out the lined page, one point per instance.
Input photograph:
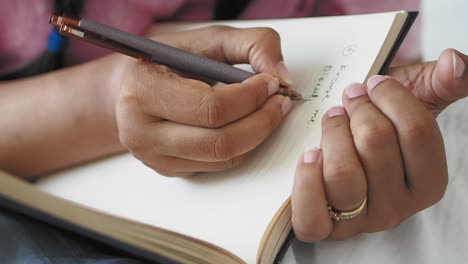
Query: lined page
{"points": [[232, 209]]}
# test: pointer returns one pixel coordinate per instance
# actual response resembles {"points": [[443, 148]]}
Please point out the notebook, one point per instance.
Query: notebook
{"points": [[238, 216]]}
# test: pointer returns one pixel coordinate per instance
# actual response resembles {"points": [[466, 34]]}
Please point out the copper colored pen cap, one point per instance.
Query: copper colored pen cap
{"points": [[55, 20], [58, 21]]}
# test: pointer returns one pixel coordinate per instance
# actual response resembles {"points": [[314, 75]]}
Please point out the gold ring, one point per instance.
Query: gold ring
{"points": [[339, 215]]}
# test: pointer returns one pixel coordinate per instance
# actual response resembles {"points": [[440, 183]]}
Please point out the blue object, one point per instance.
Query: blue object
{"points": [[57, 42]]}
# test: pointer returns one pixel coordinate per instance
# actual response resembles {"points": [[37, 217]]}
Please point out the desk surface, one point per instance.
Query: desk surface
{"points": [[436, 235]]}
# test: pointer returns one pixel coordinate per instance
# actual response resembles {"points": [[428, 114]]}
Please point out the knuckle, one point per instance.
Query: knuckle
{"points": [[267, 33], [373, 134], [416, 130], [341, 174], [212, 112], [222, 147], [345, 183]]}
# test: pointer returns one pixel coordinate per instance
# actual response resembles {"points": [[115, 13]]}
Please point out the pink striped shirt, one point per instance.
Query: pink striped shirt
{"points": [[23, 41]]}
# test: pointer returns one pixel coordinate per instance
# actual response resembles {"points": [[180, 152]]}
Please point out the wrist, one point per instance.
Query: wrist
{"points": [[118, 65]]}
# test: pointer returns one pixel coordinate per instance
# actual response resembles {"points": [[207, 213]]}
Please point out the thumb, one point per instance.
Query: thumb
{"points": [[450, 80], [437, 84]]}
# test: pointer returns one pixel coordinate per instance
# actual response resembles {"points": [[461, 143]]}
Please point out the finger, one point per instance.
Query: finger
{"points": [[345, 182], [437, 84], [377, 145], [344, 178], [161, 93], [203, 144], [174, 166], [309, 205], [419, 137], [259, 47]]}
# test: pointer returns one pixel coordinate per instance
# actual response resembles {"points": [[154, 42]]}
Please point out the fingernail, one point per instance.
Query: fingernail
{"points": [[336, 111], [286, 105], [376, 80], [273, 86], [284, 73], [311, 155], [355, 90], [458, 67]]}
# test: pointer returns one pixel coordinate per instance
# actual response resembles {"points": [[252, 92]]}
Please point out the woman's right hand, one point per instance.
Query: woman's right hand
{"points": [[178, 125]]}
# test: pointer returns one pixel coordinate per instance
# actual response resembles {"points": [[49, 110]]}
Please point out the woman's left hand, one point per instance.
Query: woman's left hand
{"points": [[382, 150]]}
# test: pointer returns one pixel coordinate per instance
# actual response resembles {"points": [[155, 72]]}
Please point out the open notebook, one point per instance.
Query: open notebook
{"points": [[238, 216]]}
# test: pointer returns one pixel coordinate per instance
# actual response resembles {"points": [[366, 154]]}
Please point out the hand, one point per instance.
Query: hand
{"points": [[384, 145], [179, 125], [436, 84]]}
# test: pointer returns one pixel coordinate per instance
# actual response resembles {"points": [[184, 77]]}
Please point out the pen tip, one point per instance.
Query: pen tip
{"points": [[293, 95]]}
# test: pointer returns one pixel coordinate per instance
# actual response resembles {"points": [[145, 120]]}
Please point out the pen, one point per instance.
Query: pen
{"points": [[152, 51]]}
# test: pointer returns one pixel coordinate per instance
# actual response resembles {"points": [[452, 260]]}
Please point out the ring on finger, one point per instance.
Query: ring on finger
{"points": [[345, 215]]}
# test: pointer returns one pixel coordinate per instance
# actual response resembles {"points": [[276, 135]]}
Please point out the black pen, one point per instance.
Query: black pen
{"points": [[152, 51]]}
